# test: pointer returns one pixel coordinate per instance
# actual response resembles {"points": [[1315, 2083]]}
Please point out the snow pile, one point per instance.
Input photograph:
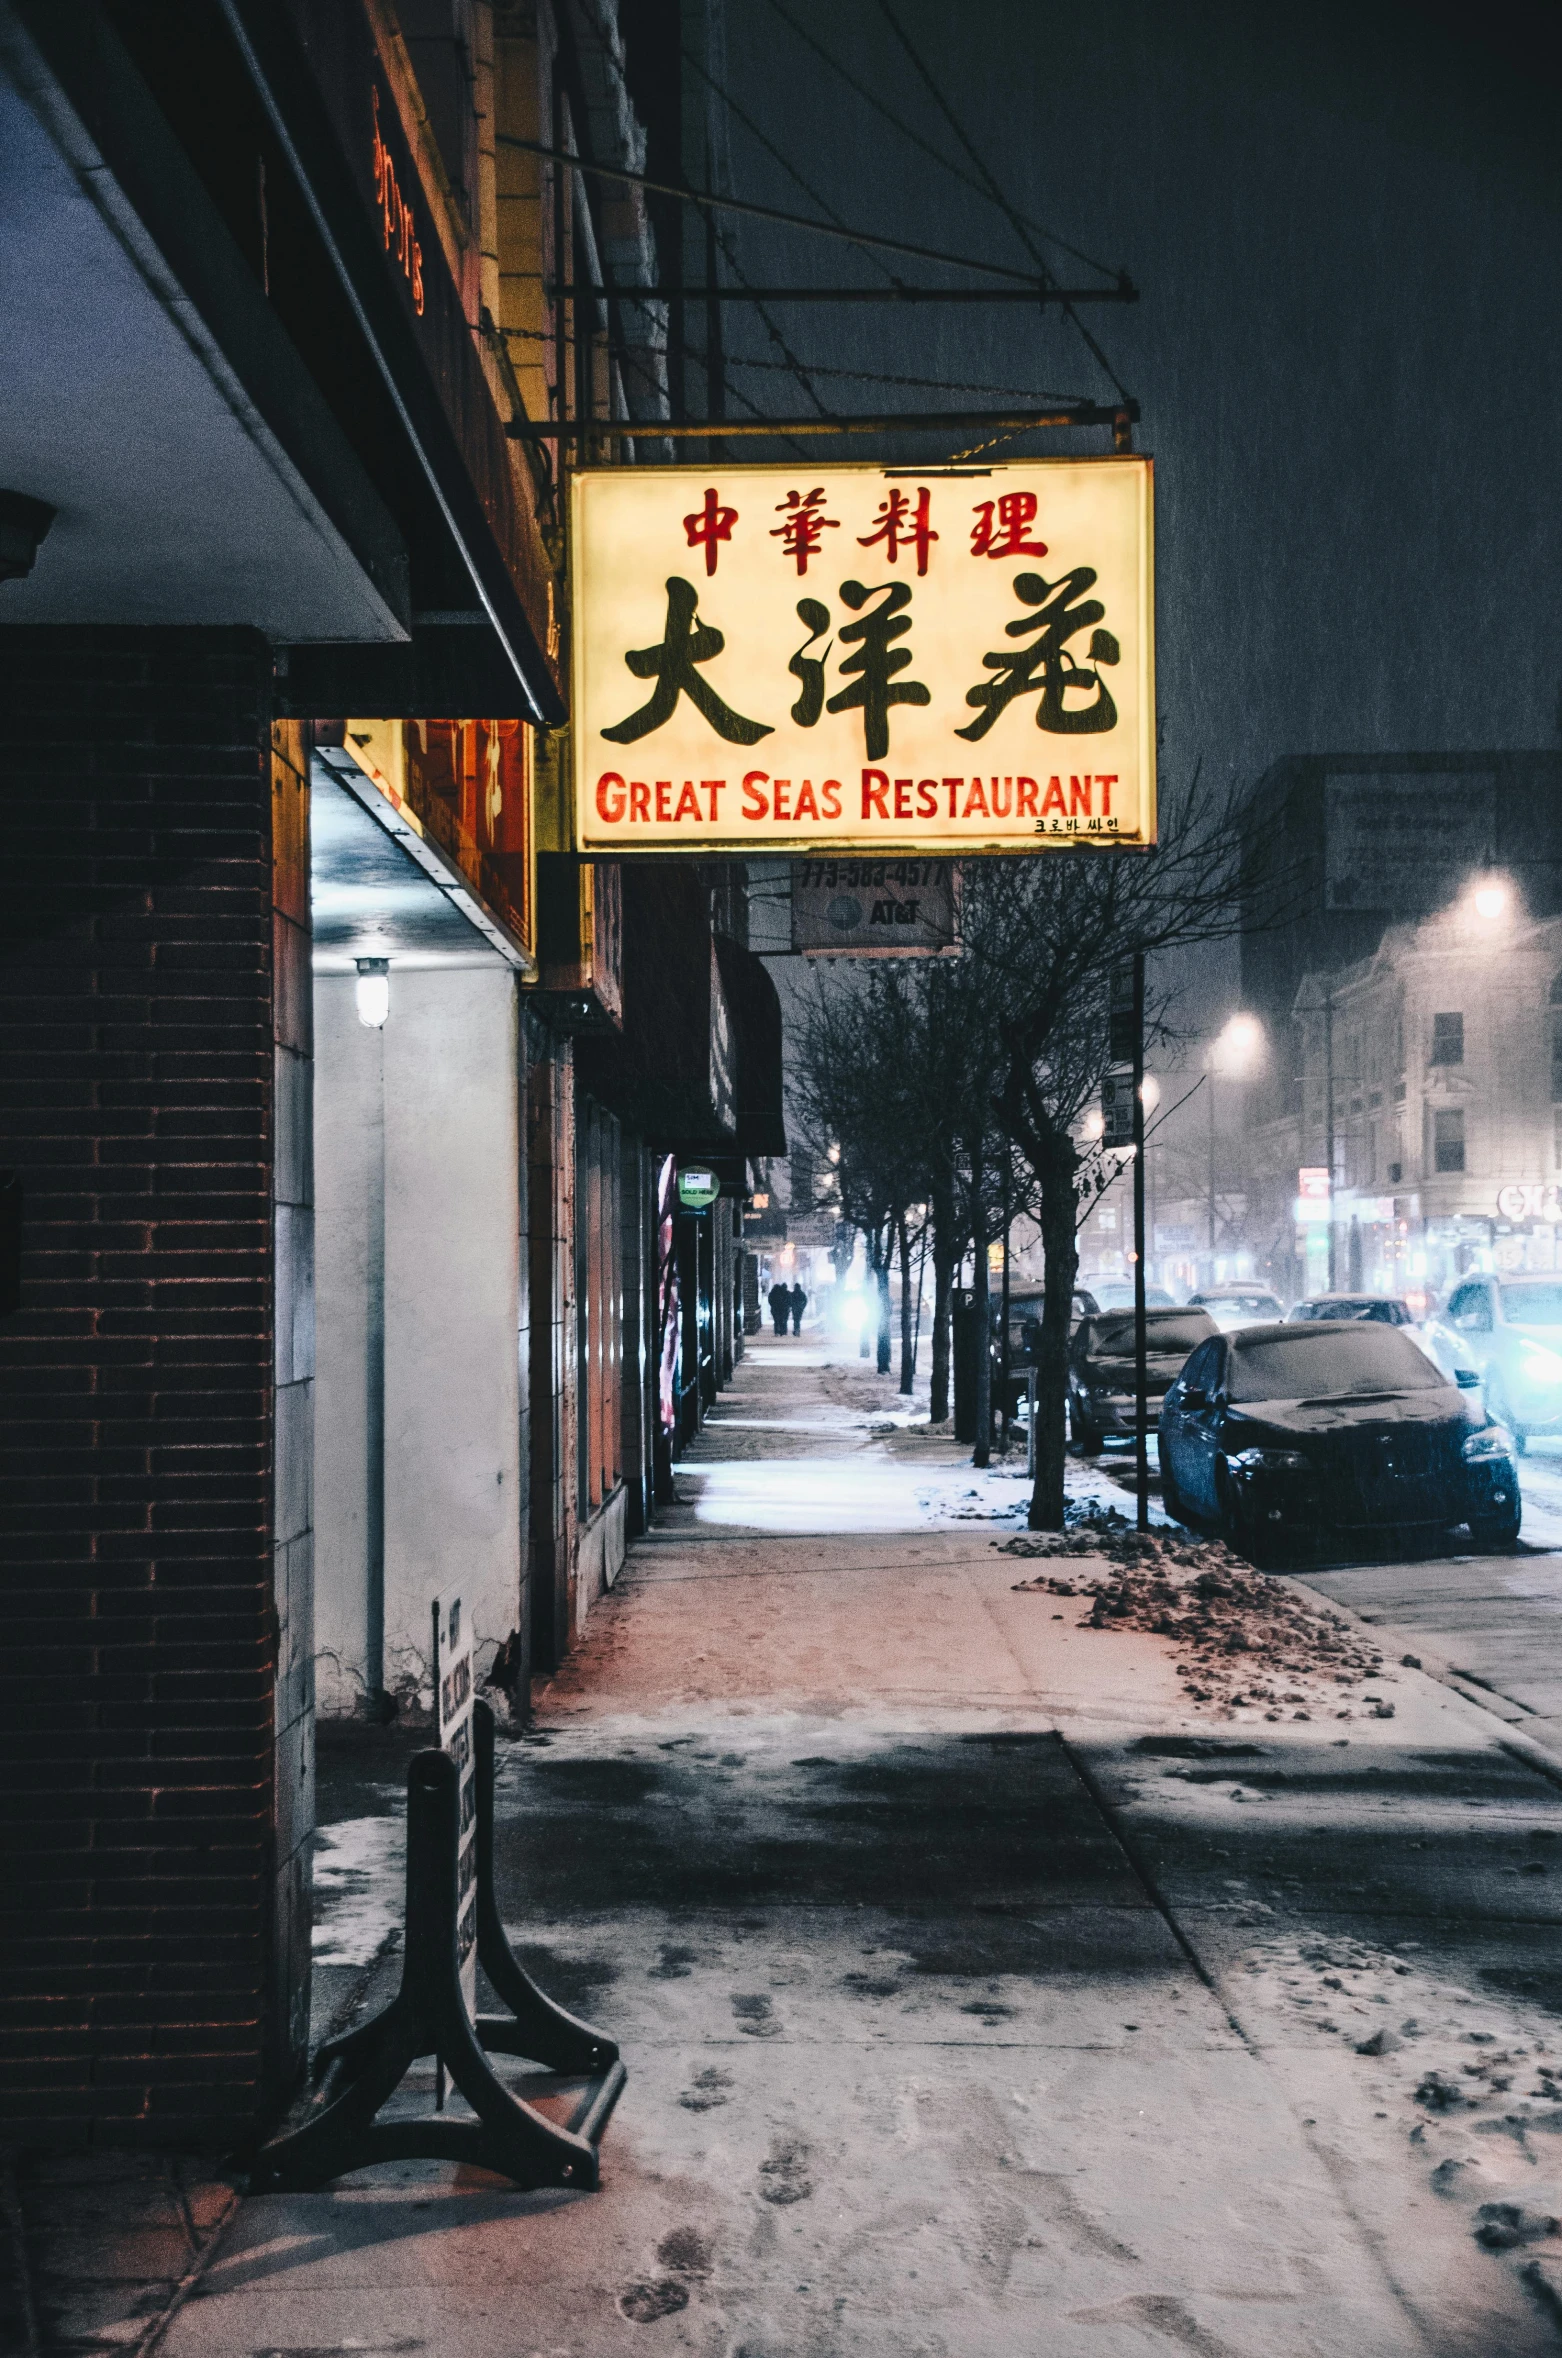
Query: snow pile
{"points": [[1247, 1639]]}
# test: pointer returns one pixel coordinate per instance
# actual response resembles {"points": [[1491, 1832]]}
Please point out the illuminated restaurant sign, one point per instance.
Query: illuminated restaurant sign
{"points": [[840, 658]]}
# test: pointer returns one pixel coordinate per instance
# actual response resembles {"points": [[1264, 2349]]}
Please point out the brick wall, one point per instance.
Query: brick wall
{"points": [[149, 1980]]}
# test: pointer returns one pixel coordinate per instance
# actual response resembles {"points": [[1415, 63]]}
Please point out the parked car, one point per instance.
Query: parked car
{"points": [[1509, 1330], [1379, 1309], [1025, 1318], [1234, 1306], [1102, 1399], [1117, 1293], [1279, 1431]]}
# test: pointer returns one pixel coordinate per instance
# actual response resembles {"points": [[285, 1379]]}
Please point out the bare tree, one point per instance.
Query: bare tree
{"points": [[1045, 933], [852, 1095]]}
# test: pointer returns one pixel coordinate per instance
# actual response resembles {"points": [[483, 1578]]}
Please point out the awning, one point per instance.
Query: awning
{"points": [[755, 1005]]}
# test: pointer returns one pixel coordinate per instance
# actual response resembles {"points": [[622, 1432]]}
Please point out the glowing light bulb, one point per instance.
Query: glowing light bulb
{"points": [[1491, 899], [373, 992]]}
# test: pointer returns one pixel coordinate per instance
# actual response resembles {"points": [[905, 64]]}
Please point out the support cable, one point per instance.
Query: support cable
{"points": [[897, 123], [1009, 211], [725, 98]]}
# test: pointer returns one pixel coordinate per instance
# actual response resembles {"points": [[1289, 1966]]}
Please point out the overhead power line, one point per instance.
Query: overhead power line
{"points": [[707, 199], [898, 123], [727, 100], [1010, 214]]}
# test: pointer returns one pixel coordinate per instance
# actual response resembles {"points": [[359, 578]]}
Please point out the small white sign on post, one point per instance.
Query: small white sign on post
{"points": [[453, 1721]]}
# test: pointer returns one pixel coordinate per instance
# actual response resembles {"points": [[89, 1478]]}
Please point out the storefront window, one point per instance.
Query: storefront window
{"points": [[599, 1303]]}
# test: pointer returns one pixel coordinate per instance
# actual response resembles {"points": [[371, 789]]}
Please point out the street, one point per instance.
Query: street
{"points": [[977, 1993]]}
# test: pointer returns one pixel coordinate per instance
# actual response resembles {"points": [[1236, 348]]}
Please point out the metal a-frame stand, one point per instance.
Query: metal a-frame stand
{"points": [[428, 2017]]}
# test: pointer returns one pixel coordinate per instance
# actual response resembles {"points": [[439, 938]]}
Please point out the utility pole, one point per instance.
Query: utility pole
{"points": [[1141, 1353]]}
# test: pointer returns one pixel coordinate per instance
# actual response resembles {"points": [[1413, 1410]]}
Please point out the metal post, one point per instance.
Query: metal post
{"points": [[715, 364], [1141, 1349], [1030, 1424], [374, 1393], [1211, 1111], [1328, 1090]]}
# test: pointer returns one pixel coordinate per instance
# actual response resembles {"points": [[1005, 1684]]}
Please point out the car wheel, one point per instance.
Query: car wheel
{"points": [[1495, 1537], [1228, 1512]]}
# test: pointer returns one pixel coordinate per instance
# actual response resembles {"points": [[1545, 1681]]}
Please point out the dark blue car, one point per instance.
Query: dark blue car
{"points": [[1283, 1431]]}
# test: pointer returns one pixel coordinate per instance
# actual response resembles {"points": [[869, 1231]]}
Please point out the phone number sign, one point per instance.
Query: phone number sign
{"points": [[837, 658]]}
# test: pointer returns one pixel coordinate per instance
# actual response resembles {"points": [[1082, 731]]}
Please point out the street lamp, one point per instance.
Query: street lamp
{"points": [[1492, 898]]}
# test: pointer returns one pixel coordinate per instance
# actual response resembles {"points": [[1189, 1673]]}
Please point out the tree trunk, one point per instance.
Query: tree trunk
{"points": [[981, 1306], [1059, 1212], [943, 1279], [908, 1365], [882, 1252]]}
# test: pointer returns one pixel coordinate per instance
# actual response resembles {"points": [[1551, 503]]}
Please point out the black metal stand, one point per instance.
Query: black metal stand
{"points": [[428, 2017]]}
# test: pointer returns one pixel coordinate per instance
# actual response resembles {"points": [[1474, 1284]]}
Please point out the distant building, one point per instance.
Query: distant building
{"points": [[1431, 1087], [1340, 846], [1359, 873]]}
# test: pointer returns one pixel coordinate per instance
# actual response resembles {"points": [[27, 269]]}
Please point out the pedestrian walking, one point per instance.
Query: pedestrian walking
{"points": [[780, 1304], [799, 1301]]}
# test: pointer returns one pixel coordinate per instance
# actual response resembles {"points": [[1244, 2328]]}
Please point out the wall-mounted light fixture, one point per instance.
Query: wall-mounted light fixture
{"points": [[373, 992]]}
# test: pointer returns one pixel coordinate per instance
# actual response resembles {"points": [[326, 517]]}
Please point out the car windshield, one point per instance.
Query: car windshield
{"points": [[1241, 1301], [1330, 1363], [1180, 1331], [1532, 1305]]}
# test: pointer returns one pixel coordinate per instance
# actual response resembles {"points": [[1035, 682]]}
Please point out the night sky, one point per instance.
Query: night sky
{"points": [[1345, 223]]}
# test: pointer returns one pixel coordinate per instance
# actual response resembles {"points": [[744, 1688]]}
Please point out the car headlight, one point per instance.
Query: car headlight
{"points": [[1489, 1444], [1270, 1461], [1540, 1363]]}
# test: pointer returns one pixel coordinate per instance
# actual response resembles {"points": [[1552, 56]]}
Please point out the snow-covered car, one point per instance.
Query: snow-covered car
{"points": [[1103, 1401], [1377, 1309], [1234, 1306], [1117, 1293]]}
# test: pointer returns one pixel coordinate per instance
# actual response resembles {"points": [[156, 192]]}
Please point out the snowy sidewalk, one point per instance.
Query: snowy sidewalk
{"points": [[980, 1994]]}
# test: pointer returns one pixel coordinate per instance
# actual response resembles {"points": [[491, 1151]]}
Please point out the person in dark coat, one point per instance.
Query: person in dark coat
{"points": [[799, 1302], [780, 1304]]}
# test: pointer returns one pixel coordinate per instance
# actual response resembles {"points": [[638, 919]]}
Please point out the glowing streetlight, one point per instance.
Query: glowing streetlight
{"points": [[1492, 897], [1237, 1047], [1233, 1052]]}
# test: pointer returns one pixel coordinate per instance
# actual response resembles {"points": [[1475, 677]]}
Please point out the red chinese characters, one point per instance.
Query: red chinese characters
{"points": [[803, 524], [709, 526], [899, 524], [1002, 534]]}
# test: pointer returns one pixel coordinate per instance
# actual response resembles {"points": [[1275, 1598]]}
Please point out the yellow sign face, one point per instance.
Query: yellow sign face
{"points": [[808, 658]]}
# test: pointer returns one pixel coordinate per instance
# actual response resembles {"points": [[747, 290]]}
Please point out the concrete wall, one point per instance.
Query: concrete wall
{"points": [[440, 1083]]}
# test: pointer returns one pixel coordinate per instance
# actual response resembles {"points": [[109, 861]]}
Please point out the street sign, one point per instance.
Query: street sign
{"points": [[698, 1189], [1313, 1193], [453, 1725], [876, 908], [1117, 1109], [836, 658]]}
